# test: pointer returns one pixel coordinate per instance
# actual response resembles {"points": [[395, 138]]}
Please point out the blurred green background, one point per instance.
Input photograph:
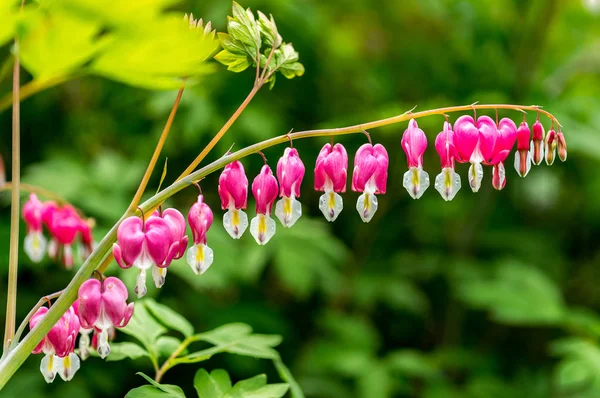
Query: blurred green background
{"points": [[494, 294]]}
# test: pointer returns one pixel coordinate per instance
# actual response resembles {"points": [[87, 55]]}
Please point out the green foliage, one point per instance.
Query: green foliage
{"points": [[245, 38], [155, 390], [217, 384]]}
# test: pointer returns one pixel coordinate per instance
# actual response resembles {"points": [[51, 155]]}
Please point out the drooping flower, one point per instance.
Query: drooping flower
{"points": [[233, 190], [369, 177], [264, 189], [414, 144], [64, 225], [507, 135], [290, 172], [447, 183], [200, 218], [523, 154], [35, 242], [58, 345], [331, 171], [84, 335], [177, 246], [562, 146], [143, 245], [102, 305], [550, 144], [475, 141], [537, 149], [87, 240]]}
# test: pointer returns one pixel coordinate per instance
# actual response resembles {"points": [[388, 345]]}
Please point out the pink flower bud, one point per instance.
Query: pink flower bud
{"points": [[264, 189], [537, 150], [179, 239], [87, 239], [370, 169], [550, 145], [143, 244], [562, 146], [414, 144], [370, 177], [63, 223], [103, 305], [523, 156], [58, 345], [35, 242], [447, 183], [200, 218], [475, 142], [507, 135], [290, 172], [233, 186], [32, 213], [331, 169]]}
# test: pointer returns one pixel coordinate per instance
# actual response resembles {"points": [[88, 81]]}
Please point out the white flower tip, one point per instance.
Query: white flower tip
{"points": [[140, 285], [366, 205], [159, 276], [447, 183], [475, 176], [416, 182], [522, 162], [48, 367], [288, 210], [68, 366], [235, 223], [331, 205], [199, 257], [262, 228], [35, 246]]}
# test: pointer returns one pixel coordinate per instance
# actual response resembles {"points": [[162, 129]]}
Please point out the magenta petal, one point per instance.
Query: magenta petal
{"points": [[365, 165], [233, 184], [90, 302], [200, 218], [114, 304], [320, 175], [130, 237], [176, 223], [119, 257], [488, 133], [290, 172], [158, 239], [414, 144], [466, 136], [523, 136], [335, 166], [264, 189], [38, 316]]}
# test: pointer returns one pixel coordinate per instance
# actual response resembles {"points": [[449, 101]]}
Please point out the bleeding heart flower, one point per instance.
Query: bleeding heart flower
{"points": [[414, 144], [35, 242], [143, 245], [507, 135], [264, 189], [447, 183], [233, 190], [200, 218], [370, 177], [523, 155], [550, 145], [562, 146], [58, 345], [290, 172], [178, 243], [64, 224], [102, 305], [475, 143], [537, 150], [331, 171], [87, 240]]}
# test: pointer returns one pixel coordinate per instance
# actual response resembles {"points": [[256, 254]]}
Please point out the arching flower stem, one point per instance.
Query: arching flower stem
{"points": [[15, 358]]}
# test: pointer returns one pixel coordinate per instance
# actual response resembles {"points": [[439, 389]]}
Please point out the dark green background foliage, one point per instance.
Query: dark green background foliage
{"points": [[494, 294]]}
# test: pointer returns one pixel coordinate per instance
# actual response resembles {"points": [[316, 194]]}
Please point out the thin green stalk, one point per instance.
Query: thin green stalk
{"points": [[10, 363], [13, 259]]}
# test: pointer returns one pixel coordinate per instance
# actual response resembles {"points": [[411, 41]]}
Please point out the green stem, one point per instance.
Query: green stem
{"points": [[10, 363], [13, 260]]}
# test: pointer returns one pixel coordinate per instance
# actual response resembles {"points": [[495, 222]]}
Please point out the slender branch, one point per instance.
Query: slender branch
{"points": [[157, 150], [264, 72], [167, 364], [35, 189], [11, 362], [25, 321], [13, 260], [220, 134]]}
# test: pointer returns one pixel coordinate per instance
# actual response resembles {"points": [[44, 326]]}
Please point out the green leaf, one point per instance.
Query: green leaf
{"points": [[155, 390], [145, 328], [213, 385], [57, 43], [127, 13], [230, 44], [166, 345], [227, 333], [120, 351], [412, 363], [9, 21], [235, 62], [292, 70], [268, 29], [287, 376], [170, 318], [515, 294]]}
